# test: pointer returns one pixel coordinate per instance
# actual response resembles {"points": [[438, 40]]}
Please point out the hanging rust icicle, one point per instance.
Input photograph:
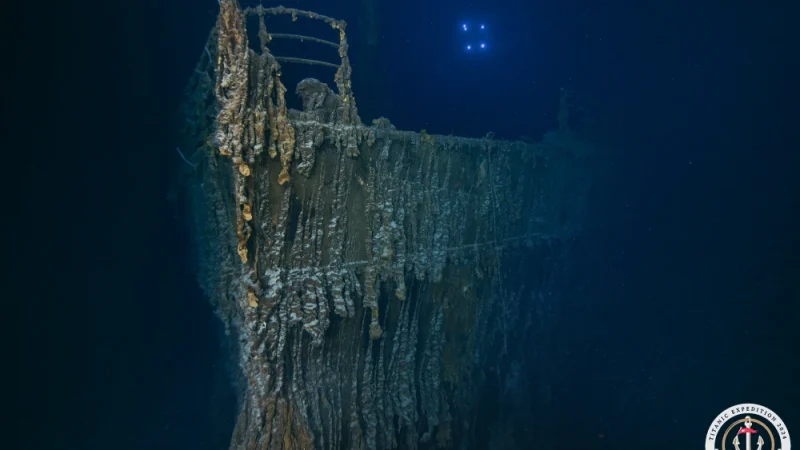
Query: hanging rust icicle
{"points": [[233, 67]]}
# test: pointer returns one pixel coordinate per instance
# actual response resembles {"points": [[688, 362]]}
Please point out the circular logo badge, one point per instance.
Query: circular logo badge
{"points": [[748, 427]]}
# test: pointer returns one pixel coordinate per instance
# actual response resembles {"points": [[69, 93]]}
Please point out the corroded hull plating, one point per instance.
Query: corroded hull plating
{"points": [[385, 288]]}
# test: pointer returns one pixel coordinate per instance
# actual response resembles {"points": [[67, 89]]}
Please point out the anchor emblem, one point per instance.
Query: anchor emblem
{"points": [[748, 432], [748, 426]]}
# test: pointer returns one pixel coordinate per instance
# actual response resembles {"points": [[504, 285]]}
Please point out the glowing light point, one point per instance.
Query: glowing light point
{"points": [[483, 27], [483, 45], [469, 47], [464, 26]]}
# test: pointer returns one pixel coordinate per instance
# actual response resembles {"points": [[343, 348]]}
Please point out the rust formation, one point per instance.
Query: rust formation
{"points": [[383, 287]]}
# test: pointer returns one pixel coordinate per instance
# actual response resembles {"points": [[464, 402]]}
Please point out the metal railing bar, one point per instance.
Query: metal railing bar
{"points": [[305, 61], [301, 38], [278, 10]]}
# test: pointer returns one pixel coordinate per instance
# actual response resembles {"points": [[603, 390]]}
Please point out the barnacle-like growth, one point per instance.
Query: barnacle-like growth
{"points": [[365, 271]]}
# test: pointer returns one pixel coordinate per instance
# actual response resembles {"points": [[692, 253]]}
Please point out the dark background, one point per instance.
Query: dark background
{"points": [[685, 284]]}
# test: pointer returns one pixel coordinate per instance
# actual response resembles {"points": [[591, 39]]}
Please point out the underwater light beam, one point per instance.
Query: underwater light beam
{"points": [[477, 33]]}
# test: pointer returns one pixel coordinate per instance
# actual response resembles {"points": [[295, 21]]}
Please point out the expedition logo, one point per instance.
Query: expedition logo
{"points": [[748, 427]]}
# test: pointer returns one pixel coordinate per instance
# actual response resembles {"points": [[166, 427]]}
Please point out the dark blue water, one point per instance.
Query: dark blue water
{"points": [[684, 286]]}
